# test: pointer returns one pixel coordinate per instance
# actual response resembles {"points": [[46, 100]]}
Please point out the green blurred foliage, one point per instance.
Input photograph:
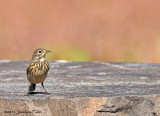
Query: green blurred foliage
{"points": [[67, 52], [132, 55]]}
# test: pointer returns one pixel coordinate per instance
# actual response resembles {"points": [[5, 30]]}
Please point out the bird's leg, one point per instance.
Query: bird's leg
{"points": [[44, 88]]}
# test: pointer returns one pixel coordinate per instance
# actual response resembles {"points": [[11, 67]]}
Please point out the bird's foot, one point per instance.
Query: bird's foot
{"points": [[46, 93], [29, 93]]}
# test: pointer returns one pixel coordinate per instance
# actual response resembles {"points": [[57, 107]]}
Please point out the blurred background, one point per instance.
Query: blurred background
{"points": [[81, 30]]}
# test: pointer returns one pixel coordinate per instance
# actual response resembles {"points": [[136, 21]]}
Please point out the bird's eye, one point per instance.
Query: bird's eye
{"points": [[39, 51]]}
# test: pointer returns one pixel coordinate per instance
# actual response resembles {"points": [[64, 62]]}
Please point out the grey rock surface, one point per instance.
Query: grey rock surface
{"points": [[82, 89], [129, 106]]}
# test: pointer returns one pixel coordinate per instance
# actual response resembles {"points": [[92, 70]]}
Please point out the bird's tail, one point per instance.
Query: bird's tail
{"points": [[32, 87]]}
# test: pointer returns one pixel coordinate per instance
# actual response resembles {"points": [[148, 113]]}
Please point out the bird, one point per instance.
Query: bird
{"points": [[37, 69]]}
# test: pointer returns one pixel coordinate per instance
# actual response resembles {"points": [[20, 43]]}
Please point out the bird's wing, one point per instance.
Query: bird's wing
{"points": [[30, 67], [47, 65]]}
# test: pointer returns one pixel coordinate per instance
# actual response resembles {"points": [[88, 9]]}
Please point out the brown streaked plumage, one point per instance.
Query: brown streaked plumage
{"points": [[37, 69]]}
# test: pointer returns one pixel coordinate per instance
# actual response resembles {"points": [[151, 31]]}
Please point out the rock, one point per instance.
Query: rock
{"points": [[82, 89], [129, 106]]}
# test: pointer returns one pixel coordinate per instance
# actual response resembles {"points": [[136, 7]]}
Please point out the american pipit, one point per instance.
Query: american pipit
{"points": [[37, 69]]}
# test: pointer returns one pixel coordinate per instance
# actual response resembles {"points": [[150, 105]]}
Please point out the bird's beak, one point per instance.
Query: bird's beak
{"points": [[48, 51]]}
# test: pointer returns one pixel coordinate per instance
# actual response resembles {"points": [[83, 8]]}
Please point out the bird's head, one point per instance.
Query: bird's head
{"points": [[39, 54]]}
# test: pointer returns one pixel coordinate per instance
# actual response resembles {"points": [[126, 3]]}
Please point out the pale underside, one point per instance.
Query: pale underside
{"points": [[36, 78]]}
